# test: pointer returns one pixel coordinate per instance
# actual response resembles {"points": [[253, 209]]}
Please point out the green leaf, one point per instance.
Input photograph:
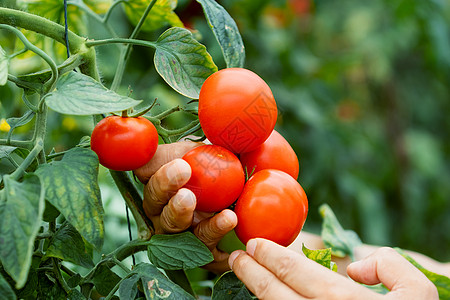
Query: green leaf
{"points": [[229, 287], [128, 287], [321, 256], [20, 221], [178, 251], [182, 61], [75, 295], [104, 279], [68, 245], [162, 14], [71, 185], [6, 292], [17, 122], [441, 282], [78, 94], [4, 66], [342, 242], [226, 32], [156, 285]]}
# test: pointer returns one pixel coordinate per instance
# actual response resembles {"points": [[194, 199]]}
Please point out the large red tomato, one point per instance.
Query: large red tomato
{"points": [[236, 109], [274, 153], [217, 177], [124, 144], [273, 206]]}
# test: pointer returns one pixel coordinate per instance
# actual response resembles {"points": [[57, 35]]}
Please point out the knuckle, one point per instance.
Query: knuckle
{"points": [[263, 286], [285, 266]]}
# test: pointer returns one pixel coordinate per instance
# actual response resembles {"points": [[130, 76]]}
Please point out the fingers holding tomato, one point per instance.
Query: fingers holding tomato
{"points": [[124, 143]]}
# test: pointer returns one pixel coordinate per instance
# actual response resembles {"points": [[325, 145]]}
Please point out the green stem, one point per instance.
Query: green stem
{"points": [[94, 43], [181, 130], [38, 147], [134, 202], [18, 144], [168, 112], [54, 31], [51, 82], [58, 275], [125, 55]]}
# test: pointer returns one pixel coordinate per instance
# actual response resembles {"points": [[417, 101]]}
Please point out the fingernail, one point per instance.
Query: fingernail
{"points": [[251, 246], [185, 198], [233, 257]]}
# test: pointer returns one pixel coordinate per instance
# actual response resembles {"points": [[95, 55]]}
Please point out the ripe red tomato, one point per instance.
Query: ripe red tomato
{"points": [[274, 153], [217, 177], [273, 206], [124, 144], [236, 109]]}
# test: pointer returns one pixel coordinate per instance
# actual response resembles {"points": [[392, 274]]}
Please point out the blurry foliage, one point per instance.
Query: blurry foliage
{"points": [[363, 93]]}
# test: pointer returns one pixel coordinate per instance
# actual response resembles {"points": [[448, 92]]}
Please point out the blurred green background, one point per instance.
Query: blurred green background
{"points": [[363, 94]]}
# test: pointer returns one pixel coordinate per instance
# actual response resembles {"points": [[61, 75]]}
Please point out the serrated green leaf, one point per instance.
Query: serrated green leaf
{"points": [[4, 67], [321, 256], [162, 14], [226, 33], [68, 245], [6, 292], [182, 61], [156, 285], [441, 282], [229, 287], [78, 94], [71, 186], [342, 242], [178, 251], [20, 221]]}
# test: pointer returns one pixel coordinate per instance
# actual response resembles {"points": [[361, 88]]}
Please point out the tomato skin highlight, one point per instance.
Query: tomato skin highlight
{"points": [[236, 109], [217, 177], [274, 153], [273, 206], [124, 143]]}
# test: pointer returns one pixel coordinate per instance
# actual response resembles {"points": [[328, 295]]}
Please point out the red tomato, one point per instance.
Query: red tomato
{"points": [[236, 109], [273, 206], [217, 177], [274, 153], [124, 144]]}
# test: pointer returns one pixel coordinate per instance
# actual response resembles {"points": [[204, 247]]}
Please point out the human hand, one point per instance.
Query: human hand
{"points": [[171, 208], [271, 271]]}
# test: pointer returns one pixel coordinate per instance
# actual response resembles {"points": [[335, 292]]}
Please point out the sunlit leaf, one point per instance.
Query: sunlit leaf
{"points": [[182, 61], [78, 94], [162, 13], [20, 220], [321, 256], [226, 33], [342, 242], [71, 185]]}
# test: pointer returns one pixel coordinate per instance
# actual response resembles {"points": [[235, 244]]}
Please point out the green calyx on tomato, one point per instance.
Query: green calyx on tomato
{"points": [[217, 177], [124, 143], [236, 109], [273, 206]]}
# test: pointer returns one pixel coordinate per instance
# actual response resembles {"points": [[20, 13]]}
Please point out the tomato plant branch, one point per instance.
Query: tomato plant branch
{"points": [[21, 170], [94, 43], [17, 143], [58, 275], [54, 31], [125, 55], [51, 82], [134, 202]]}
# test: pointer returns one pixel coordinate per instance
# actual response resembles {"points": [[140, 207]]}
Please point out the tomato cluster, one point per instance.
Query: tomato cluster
{"points": [[237, 112]]}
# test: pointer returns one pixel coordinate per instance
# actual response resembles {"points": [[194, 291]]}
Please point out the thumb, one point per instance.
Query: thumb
{"points": [[387, 266]]}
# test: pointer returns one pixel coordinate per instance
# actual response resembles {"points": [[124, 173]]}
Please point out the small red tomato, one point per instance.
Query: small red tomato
{"points": [[236, 109], [274, 153], [217, 177], [124, 144], [273, 206]]}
